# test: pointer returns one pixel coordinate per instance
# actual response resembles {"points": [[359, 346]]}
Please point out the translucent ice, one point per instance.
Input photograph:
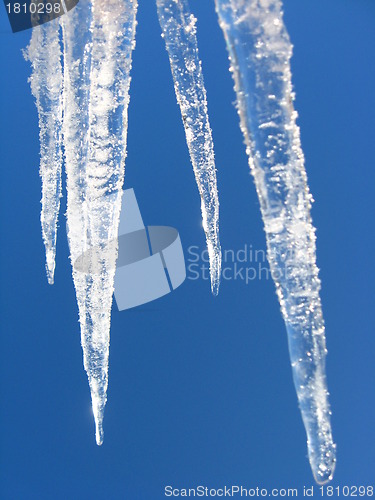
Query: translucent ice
{"points": [[260, 52], [44, 53], [85, 101], [179, 33], [104, 62], [82, 105]]}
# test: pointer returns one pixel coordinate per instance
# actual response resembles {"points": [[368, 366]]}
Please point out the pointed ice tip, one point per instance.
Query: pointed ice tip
{"points": [[324, 472], [215, 268], [50, 278], [98, 411], [324, 478], [50, 266], [99, 434], [215, 284]]}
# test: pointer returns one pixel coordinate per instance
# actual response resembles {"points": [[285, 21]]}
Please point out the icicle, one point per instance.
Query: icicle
{"points": [[179, 33], [77, 62], [113, 31], [260, 52], [98, 38], [44, 53]]}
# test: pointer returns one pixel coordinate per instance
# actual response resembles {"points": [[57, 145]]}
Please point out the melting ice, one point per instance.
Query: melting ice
{"points": [[80, 79], [83, 106], [260, 51]]}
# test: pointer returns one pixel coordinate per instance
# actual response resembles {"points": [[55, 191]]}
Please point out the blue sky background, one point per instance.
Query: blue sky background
{"points": [[200, 388]]}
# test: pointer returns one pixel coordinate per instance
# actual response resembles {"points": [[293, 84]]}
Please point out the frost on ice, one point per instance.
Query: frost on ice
{"points": [[112, 30], [179, 33], [44, 53], [82, 104], [260, 52], [87, 104]]}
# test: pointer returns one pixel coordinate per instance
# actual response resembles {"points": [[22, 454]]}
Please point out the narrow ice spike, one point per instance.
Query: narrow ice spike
{"points": [[44, 53], [179, 33], [113, 33], [88, 105], [91, 97], [77, 40], [260, 52]]}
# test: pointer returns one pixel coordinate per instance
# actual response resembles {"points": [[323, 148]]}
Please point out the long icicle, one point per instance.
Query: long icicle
{"points": [[179, 32], [44, 53], [77, 63], [260, 53], [77, 42], [113, 34]]}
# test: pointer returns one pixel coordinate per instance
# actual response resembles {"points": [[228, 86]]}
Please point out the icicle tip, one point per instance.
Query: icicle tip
{"points": [[323, 469], [99, 433], [50, 266]]}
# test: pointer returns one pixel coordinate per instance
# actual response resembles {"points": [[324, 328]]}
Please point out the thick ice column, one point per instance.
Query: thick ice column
{"points": [[98, 41], [113, 31], [260, 52]]}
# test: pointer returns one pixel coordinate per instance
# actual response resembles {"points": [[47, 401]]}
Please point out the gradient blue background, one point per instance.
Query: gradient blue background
{"points": [[200, 388]]}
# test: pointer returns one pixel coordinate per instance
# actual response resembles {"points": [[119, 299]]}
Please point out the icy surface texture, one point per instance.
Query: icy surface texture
{"points": [[113, 33], [179, 33], [260, 52], [44, 53], [99, 57], [86, 103], [77, 63]]}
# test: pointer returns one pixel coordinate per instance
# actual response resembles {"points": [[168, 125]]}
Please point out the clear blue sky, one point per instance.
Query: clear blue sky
{"points": [[200, 388]]}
